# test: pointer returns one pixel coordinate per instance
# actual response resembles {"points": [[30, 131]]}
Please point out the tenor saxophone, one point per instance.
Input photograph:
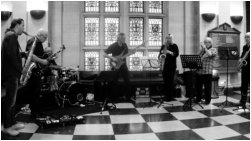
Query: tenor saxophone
{"points": [[29, 65]]}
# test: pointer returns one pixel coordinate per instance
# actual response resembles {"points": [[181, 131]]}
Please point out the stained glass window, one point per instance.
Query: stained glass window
{"points": [[111, 30], [91, 61], [154, 55], [136, 6], [91, 31], [135, 63], [155, 7], [155, 32], [136, 31], [92, 6], [107, 63], [111, 6]]}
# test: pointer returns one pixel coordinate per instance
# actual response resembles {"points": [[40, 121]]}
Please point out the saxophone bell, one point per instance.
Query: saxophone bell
{"points": [[162, 56]]}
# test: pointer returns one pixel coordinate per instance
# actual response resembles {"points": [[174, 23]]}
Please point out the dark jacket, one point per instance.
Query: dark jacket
{"points": [[170, 61], [245, 49], [11, 56]]}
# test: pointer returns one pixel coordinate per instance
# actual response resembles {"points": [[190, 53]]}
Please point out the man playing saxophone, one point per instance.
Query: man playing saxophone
{"points": [[169, 52], [11, 69], [32, 90], [245, 71]]}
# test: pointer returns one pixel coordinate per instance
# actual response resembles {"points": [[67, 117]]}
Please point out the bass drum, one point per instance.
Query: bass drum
{"points": [[72, 92]]}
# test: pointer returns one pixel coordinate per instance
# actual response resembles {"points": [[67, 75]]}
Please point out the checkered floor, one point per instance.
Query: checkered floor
{"points": [[168, 122]]}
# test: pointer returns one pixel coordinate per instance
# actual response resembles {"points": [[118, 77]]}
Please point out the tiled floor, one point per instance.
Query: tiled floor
{"points": [[151, 123]]}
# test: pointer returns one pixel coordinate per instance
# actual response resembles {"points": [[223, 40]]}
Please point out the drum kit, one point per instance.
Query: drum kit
{"points": [[64, 83]]}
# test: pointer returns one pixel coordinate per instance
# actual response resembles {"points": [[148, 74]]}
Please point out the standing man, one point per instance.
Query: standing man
{"points": [[120, 48], [207, 54], [169, 52], [11, 72], [32, 91], [245, 72]]}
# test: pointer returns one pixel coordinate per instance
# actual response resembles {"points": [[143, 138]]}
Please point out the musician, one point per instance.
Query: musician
{"points": [[32, 90], [116, 49], [170, 51], [245, 72], [204, 77], [11, 70]]}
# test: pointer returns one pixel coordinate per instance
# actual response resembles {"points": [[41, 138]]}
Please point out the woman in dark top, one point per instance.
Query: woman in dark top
{"points": [[169, 52]]}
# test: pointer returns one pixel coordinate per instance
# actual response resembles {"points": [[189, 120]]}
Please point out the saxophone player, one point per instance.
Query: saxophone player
{"points": [[30, 93], [11, 69], [169, 52], [245, 71]]}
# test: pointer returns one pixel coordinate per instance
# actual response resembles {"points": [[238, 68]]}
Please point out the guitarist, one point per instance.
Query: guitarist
{"points": [[33, 87], [116, 49]]}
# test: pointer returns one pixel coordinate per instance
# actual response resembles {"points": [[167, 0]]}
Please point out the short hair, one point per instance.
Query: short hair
{"points": [[209, 39], [121, 34], [42, 32], [171, 35], [13, 24]]}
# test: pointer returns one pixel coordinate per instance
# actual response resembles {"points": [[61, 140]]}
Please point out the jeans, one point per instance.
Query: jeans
{"points": [[11, 86], [123, 70]]}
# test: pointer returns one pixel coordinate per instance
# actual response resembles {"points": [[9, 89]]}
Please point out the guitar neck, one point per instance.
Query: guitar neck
{"points": [[129, 53]]}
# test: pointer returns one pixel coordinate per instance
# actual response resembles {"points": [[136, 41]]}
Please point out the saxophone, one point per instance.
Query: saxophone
{"points": [[29, 65], [243, 61], [162, 58]]}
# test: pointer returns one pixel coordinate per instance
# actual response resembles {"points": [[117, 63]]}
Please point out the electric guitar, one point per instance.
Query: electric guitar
{"points": [[50, 58], [120, 58]]}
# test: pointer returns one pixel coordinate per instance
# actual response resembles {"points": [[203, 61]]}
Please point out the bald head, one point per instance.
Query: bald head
{"points": [[247, 38], [42, 35]]}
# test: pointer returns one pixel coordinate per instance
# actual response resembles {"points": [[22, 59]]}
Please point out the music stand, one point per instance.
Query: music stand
{"points": [[225, 55], [152, 63], [192, 62], [105, 77]]}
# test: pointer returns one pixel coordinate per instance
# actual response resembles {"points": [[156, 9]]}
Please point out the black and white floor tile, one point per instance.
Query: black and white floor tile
{"points": [[168, 122]]}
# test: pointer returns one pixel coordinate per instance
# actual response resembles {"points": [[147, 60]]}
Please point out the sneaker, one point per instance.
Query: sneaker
{"points": [[10, 131], [18, 126]]}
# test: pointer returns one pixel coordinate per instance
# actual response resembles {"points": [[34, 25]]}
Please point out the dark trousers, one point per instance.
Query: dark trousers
{"points": [[30, 94], [168, 77], [206, 80], [124, 72], [11, 86], [245, 81]]}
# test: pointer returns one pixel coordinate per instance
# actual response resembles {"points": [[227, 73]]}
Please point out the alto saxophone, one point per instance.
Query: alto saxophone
{"points": [[29, 65], [243, 61]]}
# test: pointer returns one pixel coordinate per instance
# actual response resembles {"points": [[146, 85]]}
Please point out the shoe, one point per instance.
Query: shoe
{"points": [[197, 101], [207, 103], [168, 99], [18, 126], [10, 131]]}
